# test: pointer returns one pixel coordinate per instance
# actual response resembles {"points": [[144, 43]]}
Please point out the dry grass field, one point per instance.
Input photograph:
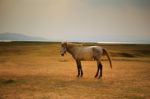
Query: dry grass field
{"points": [[37, 71]]}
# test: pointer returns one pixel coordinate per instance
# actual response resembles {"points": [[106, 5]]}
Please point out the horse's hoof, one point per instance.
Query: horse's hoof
{"points": [[95, 76], [100, 77]]}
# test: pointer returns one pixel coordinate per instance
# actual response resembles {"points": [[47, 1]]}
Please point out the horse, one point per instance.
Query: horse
{"points": [[85, 53]]}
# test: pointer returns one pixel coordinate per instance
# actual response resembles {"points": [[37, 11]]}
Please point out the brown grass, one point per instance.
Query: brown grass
{"points": [[37, 71]]}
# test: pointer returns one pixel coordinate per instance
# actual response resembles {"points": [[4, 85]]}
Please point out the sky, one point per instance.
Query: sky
{"points": [[78, 20]]}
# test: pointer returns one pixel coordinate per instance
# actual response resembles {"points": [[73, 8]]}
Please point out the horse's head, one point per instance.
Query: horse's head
{"points": [[63, 49]]}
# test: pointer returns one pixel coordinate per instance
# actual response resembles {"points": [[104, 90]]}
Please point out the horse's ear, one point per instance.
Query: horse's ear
{"points": [[64, 43]]}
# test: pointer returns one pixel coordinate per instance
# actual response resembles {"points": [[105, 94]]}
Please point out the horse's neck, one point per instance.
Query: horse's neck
{"points": [[71, 49]]}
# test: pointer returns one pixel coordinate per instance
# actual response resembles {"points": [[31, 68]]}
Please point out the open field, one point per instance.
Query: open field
{"points": [[37, 71]]}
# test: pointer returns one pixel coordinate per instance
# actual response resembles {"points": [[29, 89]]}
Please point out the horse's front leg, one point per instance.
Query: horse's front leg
{"points": [[79, 67], [78, 70]]}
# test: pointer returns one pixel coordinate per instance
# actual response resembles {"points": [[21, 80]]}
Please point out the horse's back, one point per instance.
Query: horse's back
{"points": [[89, 52]]}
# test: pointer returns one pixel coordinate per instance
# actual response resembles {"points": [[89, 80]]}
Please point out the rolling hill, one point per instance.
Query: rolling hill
{"points": [[18, 37]]}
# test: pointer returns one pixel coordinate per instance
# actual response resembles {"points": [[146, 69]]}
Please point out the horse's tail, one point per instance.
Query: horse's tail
{"points": [[108, 56]]}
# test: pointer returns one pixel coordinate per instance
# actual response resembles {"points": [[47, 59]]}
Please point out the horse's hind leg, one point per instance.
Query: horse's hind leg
{"points": [[98, 68], [101, 70]]}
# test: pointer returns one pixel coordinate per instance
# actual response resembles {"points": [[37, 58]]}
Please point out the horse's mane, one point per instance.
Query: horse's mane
{"points": [[74, 44]]}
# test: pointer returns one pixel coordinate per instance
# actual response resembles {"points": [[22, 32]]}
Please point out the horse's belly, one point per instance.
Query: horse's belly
{"points": [[83, 58], [86, 57]]}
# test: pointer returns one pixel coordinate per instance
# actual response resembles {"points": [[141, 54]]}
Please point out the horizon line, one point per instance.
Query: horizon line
{"points": [[101, 42]]}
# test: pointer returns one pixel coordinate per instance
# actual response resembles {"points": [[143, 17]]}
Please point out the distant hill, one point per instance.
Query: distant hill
{"points": [[18, 37]]}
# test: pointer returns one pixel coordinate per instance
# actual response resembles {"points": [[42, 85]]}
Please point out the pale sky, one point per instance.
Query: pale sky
{"points": [[78, 20]]}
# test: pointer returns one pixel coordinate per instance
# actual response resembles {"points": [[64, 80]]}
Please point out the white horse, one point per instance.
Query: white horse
{"points": [[85, 53]]}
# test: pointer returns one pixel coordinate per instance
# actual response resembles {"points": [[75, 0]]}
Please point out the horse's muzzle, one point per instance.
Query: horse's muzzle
{"points": [[62, 54]]}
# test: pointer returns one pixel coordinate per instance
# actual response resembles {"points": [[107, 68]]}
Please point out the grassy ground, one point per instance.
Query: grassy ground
{"points": [[37, 71]]}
